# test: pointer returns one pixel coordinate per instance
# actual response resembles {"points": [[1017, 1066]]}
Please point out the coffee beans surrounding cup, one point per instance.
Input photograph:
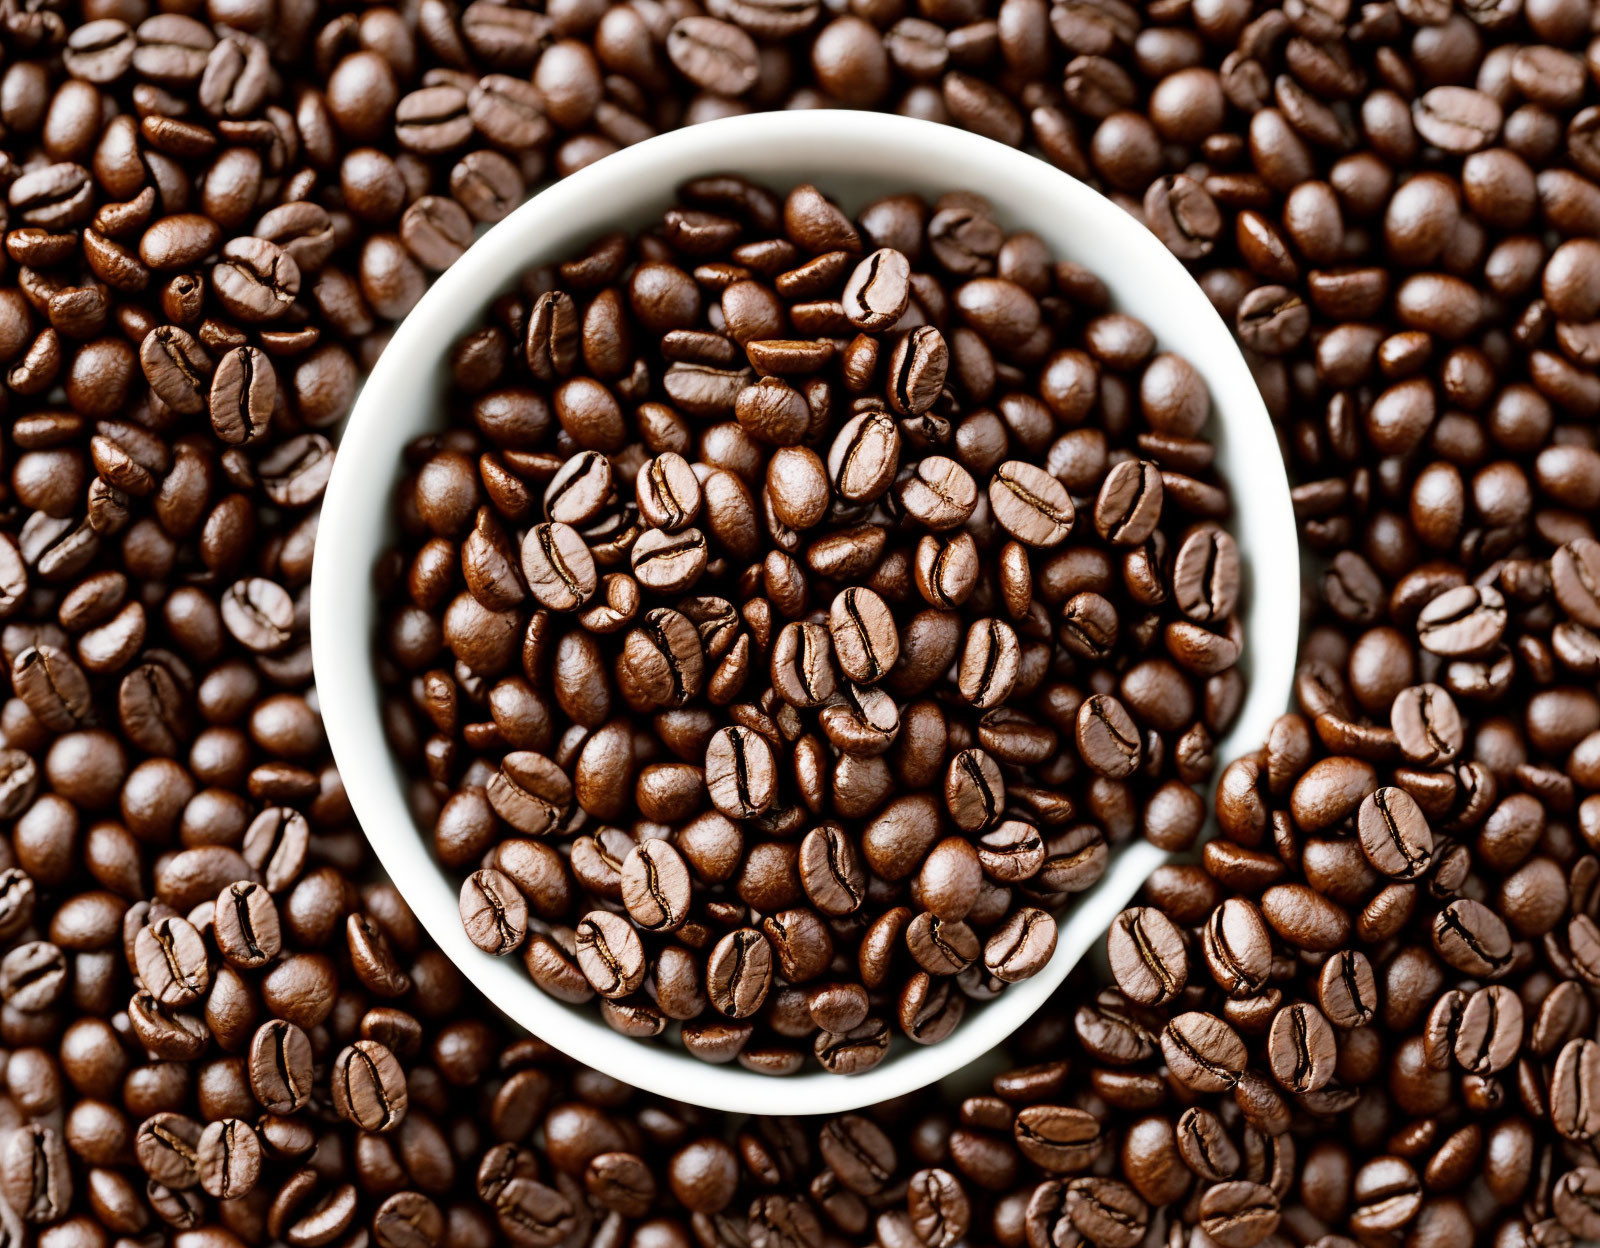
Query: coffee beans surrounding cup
{"points": [[786, 688], [1412, 185]]}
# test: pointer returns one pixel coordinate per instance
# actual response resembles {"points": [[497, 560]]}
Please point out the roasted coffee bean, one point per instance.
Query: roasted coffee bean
{"points": [[243, 390], [1347, 989], [1395, 836], [529, 792], [1147, 956], [990, 661], [369, 1086], [741, 776], [1108, 740], [1301, 1048], [1490, 1031], [228, 1158], [581, 489], [1573, 1110], [739, 973], [610, 954], [171, 960], [1129, 504], [857, 1050], [167, 1147], [1203, 1052], [938, 493], [864, 456], [1472, 938], [1031, 505], [865, 640], [280, 1067], [656, 886], [494, 912], [668, 493], [1205, 576], [35, 1175], [246, 925], [558, 567], [1239, 1214], [1022, 946]]}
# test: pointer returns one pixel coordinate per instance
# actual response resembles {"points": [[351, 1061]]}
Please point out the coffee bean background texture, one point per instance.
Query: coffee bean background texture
{"points": [[212, 214]]}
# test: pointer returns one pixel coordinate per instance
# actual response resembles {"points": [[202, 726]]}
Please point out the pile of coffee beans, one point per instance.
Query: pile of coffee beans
{"points": [[1394, 202], [796, 610]]}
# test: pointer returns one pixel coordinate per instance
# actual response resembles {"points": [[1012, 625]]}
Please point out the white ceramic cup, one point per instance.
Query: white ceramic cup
{"points": [[853, 157]]}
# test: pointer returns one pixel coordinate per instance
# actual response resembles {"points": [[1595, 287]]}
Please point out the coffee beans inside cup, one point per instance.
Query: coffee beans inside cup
{"points": [[797, 610]]}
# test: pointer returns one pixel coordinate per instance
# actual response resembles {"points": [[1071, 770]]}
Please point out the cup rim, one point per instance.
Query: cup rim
{"points": [[859, 145]]}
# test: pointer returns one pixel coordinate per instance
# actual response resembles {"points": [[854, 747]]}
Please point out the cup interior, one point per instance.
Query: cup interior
{"points": [[853, 157]]}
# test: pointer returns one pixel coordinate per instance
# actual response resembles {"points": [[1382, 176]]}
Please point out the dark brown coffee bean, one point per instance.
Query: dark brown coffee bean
{"points": [[1239, 1214], [494, 912], [1395, 836], [1573, 1110], [610, 954], [1457, 119], [1462, 621], [974, 790], [246, 925], [580, 491], [1203, 1052], [529, 792], [1347, 990], [558, 567], [865, 456], [855, 1051], [739, 973], [228, 1158], [1030, 504], [1205, 576], [53, 686], [1427, 725], [280, 1067], [669, 563], [740, 774], [369, 1086], [831, 870], [167, 1147], [668, 493], [938, 493], [1129, 504], [656, 886], [243, 391], [177, 368], [259, 614], [1147, 956], [941, 948], [1301, 1048], [917, 369], [1107, 738], [171, 960], [1490, 1031], [715, 55], [865, 640], [35, 1175], [662, 662], [991, 658], [1472, 938], [1022, 946]]}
